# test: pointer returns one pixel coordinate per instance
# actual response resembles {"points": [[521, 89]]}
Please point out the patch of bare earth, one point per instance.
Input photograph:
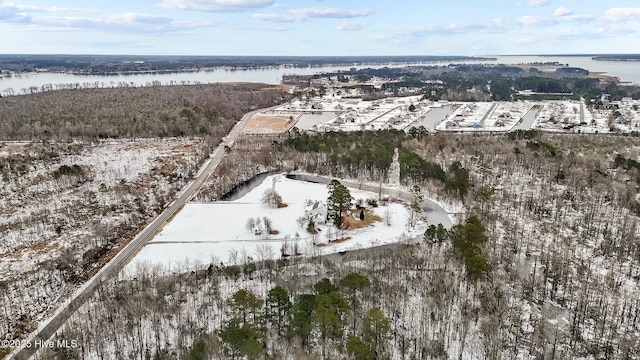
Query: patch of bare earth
{"points": [[352, 220], [265, 124]]}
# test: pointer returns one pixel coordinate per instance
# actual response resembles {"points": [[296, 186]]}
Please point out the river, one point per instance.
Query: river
{"points": [[22, 83], [627, 71]]}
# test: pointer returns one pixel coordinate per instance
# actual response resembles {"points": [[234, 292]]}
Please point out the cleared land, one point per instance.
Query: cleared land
{"points": [[268, 124], [216, 232]]}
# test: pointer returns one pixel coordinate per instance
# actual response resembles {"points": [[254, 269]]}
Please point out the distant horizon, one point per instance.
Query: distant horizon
{"points": [[319, 27], [319, 56]]}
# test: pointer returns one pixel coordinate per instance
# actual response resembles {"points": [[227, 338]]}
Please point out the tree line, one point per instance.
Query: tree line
{"points": [[348, 154], [161, 111]]}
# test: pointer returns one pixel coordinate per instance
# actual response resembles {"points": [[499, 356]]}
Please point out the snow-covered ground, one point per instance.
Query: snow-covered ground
{"points": [[52, 229], [332, 112], [469, 116], [335, 113], [506, 115], [217, 232]]}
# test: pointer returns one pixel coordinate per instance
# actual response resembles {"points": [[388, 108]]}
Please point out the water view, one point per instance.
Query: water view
{"points": [[627, 71]]}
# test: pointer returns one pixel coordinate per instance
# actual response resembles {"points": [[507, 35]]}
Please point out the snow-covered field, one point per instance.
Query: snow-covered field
{"points": [[216, 232]]}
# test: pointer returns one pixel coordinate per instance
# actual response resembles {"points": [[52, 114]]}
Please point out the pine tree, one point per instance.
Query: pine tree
{"points": [[339, 200]]}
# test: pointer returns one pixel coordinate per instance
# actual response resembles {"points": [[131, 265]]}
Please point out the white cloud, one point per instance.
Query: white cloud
{"points": [[113, 23], [349, 26], [325, 12], [534, 21], [299, 15], [277, 18], [11, 13], [538, 3], [493, 26], [72, 19], [217, 5], [126, 22], [561, 15], [562, 11], [621, 14], [562, 18]]}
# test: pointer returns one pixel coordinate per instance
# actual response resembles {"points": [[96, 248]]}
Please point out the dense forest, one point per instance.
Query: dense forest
{"points": [[162, 111], [341, 154]]}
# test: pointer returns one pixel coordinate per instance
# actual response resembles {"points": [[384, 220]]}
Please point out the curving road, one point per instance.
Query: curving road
{"points": [[48, 328]]}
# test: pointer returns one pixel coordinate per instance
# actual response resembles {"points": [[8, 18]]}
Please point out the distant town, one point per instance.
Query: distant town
{"points": [[463, 98]]}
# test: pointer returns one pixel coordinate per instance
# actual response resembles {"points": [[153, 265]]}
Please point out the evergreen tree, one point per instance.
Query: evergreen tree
{"points": [[328, 316], [241, 340], [353, 283], [244, 306], [278, 307], [302, 312], [358, 349], [324, 287], [467, 241], [339, 200], [376, 328]]}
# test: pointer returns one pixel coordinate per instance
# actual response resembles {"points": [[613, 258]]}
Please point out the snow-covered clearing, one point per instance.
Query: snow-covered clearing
{"points": [[216, 232]]}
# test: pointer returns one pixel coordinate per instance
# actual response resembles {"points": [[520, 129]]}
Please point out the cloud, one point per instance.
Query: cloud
{"points": [[277, 18], [25, 14], [562, 18], [562, 11], [535, 21], [492, 26], [11, 13], [125, 22], [538, 3], [560, 15], [53, 9], [71, 19], [621, 14], [350, 26], [217, 5], [299, 15]]}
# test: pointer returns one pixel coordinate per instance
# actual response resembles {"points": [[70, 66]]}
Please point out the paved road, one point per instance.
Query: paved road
{"points": [[48, 328], [528, 119], [488, 113]]}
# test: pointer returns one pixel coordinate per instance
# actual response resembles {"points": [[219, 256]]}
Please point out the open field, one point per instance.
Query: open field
{"points": [[216, 232], [268, 124]]}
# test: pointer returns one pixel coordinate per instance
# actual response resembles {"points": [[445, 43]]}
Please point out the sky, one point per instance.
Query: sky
{"points": [[319, 27]]}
